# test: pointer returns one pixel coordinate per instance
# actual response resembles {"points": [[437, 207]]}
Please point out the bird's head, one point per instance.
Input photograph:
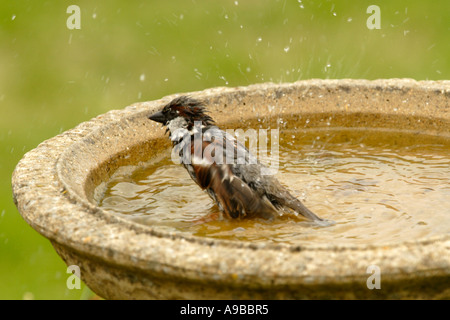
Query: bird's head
{"points": [[182, 112]]}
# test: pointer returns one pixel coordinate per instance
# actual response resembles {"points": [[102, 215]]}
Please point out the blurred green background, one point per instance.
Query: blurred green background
{"points": [[52, 78]]}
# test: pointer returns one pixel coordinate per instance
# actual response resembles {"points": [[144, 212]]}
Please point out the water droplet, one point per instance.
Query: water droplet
{"points": [[94, 15], [198, 74], [236, 3], [223, 78], [349, 20], [142, 77], [13, 17], [286, 49]]}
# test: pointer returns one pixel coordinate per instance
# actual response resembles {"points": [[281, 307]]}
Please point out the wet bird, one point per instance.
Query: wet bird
{"points": [[219, 164]]}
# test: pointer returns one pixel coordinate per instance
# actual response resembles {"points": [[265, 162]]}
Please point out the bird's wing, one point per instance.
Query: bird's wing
{"points": [[215, 175]]}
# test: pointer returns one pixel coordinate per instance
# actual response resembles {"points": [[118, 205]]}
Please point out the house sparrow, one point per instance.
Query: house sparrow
{"points": [[222, 166]]}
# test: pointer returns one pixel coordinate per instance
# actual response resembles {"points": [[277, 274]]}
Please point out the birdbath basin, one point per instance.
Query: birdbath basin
{"points": [[54, 188]]}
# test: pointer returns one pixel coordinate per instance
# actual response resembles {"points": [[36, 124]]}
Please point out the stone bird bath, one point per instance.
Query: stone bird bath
{"points": [[54, 184]]}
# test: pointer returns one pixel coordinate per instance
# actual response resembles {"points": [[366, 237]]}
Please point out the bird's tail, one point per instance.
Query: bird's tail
{"points": [[283, 198], [300, 208]]}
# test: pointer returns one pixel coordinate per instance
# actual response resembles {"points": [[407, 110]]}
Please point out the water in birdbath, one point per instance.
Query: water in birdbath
{"points": [[380, 186]]}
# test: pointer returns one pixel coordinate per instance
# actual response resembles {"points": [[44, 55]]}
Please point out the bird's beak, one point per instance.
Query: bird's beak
{"points": [[158, 117]]}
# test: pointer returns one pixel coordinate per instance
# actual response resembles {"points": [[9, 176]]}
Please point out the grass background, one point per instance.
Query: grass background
{"points": [[52, 78]]}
